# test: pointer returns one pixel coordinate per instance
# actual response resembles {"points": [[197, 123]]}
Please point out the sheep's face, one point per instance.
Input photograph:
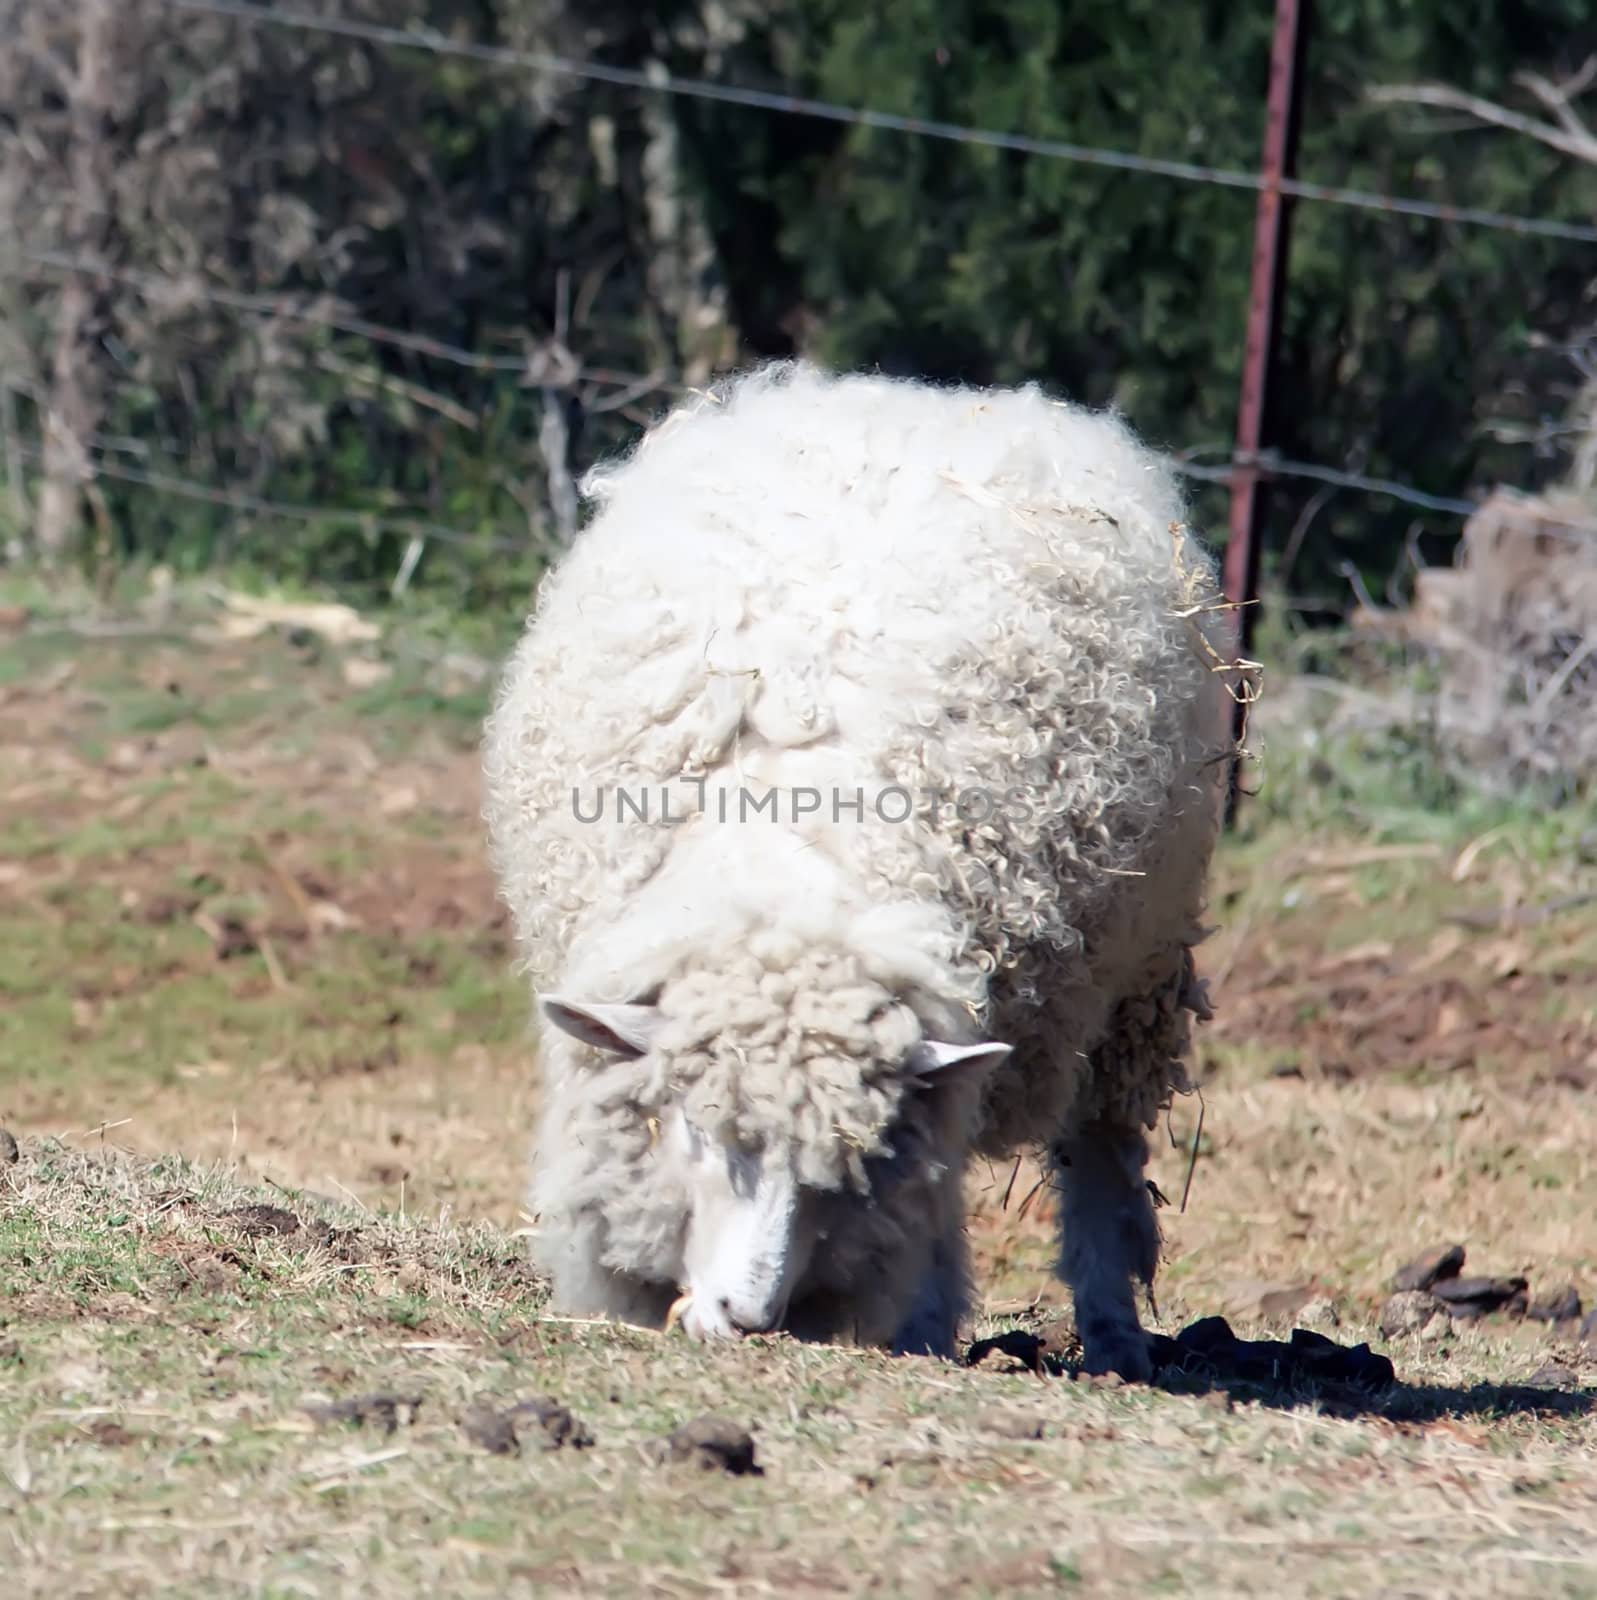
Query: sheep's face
{"points": [[752, 1228], [758, 1239]]}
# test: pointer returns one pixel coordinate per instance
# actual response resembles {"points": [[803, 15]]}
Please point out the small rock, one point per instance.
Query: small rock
{"points": [[1319, 1313], [1409, 1311], [1105, 1380], [1554, 1375], [1217, 1400], [1561, 1305], [713, 1444], [1425, 1271], [9, 1153], [1469, 1298]]}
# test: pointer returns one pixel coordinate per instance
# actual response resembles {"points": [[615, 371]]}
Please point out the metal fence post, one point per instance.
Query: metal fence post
{"points": [[1270, 234]]}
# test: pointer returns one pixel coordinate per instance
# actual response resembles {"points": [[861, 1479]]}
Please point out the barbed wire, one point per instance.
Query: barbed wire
{"points": [[256, 505], [1273, 465], [506, 58], [633, 387], [416, 531], [535, 365], [636, 387]]}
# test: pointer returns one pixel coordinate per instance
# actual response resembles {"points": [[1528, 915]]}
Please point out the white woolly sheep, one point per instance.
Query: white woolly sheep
{"points": [[853, 789]]}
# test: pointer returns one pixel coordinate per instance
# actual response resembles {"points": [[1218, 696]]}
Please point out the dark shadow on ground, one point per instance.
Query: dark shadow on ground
{"points": [[1308, 1370]]}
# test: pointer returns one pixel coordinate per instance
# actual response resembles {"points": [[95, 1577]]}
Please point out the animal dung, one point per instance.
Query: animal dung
{"points": [[712, 1444], [502, 1431]]}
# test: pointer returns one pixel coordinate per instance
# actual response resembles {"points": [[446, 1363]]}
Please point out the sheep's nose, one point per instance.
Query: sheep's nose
{"points": [[749, 1322]]}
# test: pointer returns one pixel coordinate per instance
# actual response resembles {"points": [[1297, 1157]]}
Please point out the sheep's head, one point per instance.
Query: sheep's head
{"points": [[786, 1133]]}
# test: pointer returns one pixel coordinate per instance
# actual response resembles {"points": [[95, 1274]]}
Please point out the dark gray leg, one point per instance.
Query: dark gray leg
{"points": [[1110, 1243], [932, 1326]]}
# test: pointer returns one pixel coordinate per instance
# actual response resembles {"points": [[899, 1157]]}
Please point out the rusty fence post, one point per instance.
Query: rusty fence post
{"points": [[1270, 234]]}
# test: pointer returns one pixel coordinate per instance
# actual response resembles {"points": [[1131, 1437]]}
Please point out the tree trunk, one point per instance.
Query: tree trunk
{"points": [[16, 484], [73, 410], [684, 271]]}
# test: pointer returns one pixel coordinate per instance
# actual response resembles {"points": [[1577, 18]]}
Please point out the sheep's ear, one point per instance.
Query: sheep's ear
{"points": [[622, 1030], [933, 1060]]}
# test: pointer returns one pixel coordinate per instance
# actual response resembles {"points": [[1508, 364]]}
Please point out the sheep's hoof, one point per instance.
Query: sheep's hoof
{"points": [[1125, 1354]]}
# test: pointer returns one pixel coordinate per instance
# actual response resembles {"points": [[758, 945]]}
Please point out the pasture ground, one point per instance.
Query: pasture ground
{"points": [[250, 957]]}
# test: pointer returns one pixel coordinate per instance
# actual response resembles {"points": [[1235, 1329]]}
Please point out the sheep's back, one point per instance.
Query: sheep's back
{"points": [[859, 583]]}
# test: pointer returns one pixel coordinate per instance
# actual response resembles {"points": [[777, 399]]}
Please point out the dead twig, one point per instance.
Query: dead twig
{"points": [[1192, 1160]]}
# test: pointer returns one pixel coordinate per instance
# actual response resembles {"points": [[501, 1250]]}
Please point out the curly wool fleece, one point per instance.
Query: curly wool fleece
{"points": [[853, 583]]}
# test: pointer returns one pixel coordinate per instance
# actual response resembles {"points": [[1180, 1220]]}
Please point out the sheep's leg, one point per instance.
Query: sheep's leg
{"points": [[1110, 1242], [932, 1326]]}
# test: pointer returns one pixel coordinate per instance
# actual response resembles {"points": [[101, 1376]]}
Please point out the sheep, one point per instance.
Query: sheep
{"points": [[853, 788]]}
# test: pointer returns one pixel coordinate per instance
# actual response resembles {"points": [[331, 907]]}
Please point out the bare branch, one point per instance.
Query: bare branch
{"points": [[1582, 146], [653, 383], [1572, 88], [372, 377], [554, 444], [1557, 96]]}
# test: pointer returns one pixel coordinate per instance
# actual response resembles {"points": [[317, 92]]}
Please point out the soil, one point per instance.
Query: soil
{"points": [[410, 1087]]}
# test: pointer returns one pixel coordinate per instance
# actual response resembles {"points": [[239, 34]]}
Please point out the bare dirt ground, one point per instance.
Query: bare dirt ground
{"points": [[245, 919]]}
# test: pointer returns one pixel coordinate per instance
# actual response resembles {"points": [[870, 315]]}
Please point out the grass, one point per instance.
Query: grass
{"points": [[165, 1359], [250, 955]]}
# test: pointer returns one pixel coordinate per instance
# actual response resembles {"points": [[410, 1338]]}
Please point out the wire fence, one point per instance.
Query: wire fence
{"points": [[548, 363], [1268, 463], [536, 61]]}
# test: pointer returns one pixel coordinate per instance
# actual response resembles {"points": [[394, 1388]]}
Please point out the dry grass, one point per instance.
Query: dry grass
{"points": [[246, 919], [160, 1360]]}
